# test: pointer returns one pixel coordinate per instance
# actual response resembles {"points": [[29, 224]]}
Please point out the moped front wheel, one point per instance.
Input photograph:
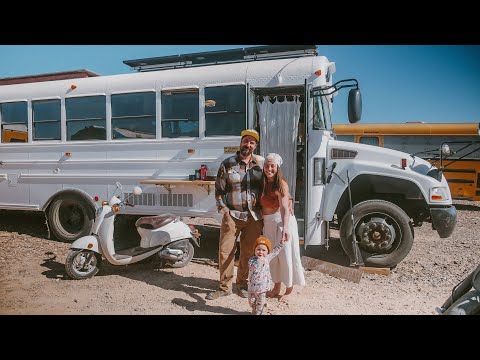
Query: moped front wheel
{"points": [[82, 264]]}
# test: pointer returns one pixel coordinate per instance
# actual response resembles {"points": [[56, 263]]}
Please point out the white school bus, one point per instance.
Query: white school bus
{"points": [[461, 167], [155, 127]]}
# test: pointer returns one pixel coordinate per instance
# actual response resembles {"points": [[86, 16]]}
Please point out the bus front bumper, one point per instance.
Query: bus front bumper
{"points": [[444, 220]]}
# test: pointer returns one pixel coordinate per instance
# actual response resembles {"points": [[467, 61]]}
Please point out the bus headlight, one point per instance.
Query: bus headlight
{"points": [[439, 194]]}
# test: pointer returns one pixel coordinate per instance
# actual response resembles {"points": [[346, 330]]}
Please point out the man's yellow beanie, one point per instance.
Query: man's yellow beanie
{"points": [[253, 133]]}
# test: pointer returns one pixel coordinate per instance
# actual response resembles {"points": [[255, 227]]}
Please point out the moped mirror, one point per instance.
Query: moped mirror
{"points": [[137, 190], [118, 185]]}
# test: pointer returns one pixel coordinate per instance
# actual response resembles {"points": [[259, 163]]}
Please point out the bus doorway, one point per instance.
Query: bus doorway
{"points": [[280, 122]]}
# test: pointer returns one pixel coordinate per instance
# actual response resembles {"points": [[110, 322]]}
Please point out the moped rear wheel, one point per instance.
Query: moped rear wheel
{"points": [[82, 264]]}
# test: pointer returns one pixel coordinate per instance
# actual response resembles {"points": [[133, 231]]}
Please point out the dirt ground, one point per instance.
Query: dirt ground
{"points": [[33, 278]]}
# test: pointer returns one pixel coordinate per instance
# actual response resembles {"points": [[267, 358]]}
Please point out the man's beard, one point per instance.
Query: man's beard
{"points": [[245, 151]]}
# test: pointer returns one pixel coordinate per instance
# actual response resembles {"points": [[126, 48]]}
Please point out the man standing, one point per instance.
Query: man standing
{"points": [[237, 193]]}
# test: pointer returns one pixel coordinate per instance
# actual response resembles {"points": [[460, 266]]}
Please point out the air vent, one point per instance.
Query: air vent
{"points": [[176, 200], [144, 199], [343, 154], [150, 199]]}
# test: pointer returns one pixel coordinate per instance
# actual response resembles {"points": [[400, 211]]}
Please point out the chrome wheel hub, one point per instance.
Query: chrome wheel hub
{"points": [[376, 235]]}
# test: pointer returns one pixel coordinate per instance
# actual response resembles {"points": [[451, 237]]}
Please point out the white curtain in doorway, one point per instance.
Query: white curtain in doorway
{"points": [[278, 132]]}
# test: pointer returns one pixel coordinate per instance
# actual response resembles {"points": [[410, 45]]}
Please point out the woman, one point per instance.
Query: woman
{"points": [[279, 225]]}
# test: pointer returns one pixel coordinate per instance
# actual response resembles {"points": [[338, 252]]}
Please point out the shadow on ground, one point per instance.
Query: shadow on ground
{"points": [[125, 235], [467, 207], [24, 222]]}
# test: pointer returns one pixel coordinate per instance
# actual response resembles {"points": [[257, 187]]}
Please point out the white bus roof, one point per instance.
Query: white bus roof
{"points": [[282, 72]]}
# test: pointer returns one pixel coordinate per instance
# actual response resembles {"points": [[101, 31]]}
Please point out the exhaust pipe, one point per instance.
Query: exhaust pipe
{"points": [[171, 254]]}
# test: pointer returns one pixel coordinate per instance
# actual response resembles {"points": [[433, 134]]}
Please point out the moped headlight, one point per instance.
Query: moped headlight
{"points": [[439, 194]]}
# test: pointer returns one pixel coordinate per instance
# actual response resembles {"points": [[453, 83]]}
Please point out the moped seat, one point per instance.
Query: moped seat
{"points": [[154, 222]]}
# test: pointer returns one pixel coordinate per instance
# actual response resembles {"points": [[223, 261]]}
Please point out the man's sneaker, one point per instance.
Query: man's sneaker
{"points": [[242, 292], [217, 294]]}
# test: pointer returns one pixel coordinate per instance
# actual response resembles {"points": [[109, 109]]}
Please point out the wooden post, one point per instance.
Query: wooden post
{"points": [[374, 270], [343, 272]]}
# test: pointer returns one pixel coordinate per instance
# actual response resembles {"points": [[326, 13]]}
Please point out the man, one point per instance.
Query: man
{"points": [[237, 193]]}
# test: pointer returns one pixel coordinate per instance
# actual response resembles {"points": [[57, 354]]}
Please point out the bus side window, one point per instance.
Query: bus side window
{"points": [[180, 114], [370, 140], [133, 116], [46, 119], [225, 110], [86, 118], [14, 118]]}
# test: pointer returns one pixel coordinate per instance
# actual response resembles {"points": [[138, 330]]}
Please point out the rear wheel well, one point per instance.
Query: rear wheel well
{"points": [[70, 215]]}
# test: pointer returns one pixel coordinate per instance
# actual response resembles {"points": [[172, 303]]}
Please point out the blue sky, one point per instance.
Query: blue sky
{"points": [[399, 83]]}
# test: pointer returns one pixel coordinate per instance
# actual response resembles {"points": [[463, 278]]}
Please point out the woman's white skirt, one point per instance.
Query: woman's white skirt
{"points": [[287, 266]]}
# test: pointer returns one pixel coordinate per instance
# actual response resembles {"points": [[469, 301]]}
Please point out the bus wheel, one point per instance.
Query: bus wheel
{"points": [[68, 218], [383, 232]]}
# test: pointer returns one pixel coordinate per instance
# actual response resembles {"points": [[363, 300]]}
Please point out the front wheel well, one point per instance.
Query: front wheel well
{"points": [[403, 193]]}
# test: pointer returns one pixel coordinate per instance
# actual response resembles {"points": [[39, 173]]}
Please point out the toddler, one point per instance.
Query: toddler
{"points": [[259, 279]]}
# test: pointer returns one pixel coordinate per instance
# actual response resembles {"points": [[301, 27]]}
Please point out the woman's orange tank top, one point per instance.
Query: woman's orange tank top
{"points": [[269, 199]]}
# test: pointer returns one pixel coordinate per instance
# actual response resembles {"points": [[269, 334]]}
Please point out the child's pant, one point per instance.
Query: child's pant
{"points": [[257, 301]]}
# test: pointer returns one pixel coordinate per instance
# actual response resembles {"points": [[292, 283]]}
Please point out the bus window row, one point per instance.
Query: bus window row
{"points": [[133, 115]]}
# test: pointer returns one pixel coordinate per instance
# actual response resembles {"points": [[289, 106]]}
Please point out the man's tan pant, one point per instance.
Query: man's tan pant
{"points": [[249, 231]]}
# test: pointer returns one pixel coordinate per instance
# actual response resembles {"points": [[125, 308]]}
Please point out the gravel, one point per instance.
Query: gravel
{"points": [[33, 278]]}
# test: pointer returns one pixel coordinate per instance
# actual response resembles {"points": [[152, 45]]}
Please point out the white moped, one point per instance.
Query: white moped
{"points": [[165, 236]]}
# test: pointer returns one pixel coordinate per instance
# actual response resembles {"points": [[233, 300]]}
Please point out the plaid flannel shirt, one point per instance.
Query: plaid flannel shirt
{"points": [[238, 186]]}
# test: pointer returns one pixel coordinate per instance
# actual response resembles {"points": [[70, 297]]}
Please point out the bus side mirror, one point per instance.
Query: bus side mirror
{"points": [[354, 105]]}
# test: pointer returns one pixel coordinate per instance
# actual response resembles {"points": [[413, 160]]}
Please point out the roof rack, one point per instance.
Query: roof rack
{"points": [[222, 57]]}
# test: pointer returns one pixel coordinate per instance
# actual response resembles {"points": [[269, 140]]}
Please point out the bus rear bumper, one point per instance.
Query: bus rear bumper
{"points": [[444, 220]]}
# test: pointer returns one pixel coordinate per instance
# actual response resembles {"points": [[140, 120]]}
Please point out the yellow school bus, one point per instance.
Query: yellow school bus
{"points": [[14, 135], [461, 168]]}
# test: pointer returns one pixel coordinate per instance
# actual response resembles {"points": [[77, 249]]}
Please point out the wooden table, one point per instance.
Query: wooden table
{"points": [[168, 183]]}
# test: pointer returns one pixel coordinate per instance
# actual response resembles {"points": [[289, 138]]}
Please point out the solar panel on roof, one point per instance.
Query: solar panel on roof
{"points": [[222, 57]]}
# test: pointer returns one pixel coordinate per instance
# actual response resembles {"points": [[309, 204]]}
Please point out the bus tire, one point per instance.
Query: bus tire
{"points": [[383, 232], [68, 217]]}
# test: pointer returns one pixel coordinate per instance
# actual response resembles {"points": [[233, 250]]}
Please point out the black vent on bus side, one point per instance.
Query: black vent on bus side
{"points": [[343, 154]]}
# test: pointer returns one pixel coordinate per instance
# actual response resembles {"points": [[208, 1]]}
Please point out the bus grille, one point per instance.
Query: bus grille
{"points": [[169, 200]]}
